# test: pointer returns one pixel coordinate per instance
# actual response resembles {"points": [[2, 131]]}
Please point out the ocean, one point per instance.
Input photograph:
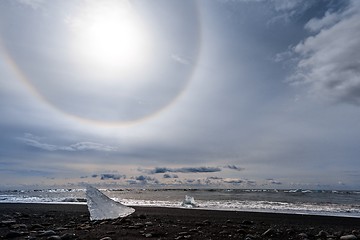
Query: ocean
{"points": [[330, 203]]}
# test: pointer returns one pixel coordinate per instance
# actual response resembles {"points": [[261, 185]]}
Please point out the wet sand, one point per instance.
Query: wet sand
{"points": [[71, 221]]}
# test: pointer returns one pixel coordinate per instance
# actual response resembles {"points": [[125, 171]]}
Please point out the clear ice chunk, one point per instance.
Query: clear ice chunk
{"points": [[189, 202], [102, 207]]}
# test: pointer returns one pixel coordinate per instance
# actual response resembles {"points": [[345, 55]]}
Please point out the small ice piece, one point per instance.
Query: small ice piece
{"points": [[102, 207], [189, 202]]}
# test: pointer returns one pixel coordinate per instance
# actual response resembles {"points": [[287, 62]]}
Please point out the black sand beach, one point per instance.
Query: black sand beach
{"points": [[56, 221]]}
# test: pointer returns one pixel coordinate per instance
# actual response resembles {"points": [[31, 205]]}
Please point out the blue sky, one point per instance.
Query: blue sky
{"points": [[244, 94]]}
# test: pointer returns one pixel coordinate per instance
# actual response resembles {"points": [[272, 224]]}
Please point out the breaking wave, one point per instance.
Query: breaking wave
{"points": [[331, 203]]}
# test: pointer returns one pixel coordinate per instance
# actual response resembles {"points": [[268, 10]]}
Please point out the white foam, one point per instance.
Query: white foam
{"points": [[297, 203], [258, 206]]}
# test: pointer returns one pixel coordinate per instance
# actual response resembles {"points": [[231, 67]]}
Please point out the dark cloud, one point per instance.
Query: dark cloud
{"points": [[166, 175], [273, 181], [215, 178], [181, 170], [233, 167], [146, 179], [143, 178], [236, 181], [131, 181], [251, 182], [107, 176]]}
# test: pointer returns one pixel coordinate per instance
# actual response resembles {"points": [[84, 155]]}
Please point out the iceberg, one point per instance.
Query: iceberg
{"points": [[189, 202], [102, 207]]}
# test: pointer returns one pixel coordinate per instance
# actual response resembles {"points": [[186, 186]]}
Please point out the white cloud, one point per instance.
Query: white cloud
{"points": [[273, 181], [286, 10], [180, 59], [283, 56], [84, 146], [330, 60], [233, 180], [44, 146], [317, 24], [35, 141], [283, 10]]}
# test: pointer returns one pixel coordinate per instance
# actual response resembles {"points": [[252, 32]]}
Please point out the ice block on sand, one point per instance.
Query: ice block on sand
{"points": [[102, 207], [189, 202]]}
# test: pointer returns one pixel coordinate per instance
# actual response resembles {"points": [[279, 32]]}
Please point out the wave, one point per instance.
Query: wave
{"points": [[213, 200]]}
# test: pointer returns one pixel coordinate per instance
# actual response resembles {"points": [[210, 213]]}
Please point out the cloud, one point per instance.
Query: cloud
{"points": [[317, 24], [35, 4], [107, 176], [329, 60], [84, 146], [143, 178], [131, 181], [233, 167], [237, 181], [286, 10], [215, 178], [166, 175], [181, 170], [146, 179], [191, 181], [180, 59], [273, 181], [45, 146], [233, 180], [285, 5], [35, 141]]}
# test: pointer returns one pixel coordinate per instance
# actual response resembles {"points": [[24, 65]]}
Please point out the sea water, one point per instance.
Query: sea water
{"points": [[331, 203]]}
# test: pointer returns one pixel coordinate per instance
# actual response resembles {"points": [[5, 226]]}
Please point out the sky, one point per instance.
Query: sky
{"points": [[216, 94]]}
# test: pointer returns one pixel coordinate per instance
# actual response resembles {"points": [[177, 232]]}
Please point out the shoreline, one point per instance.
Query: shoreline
{"points": [[341, 215], [71, 221]]}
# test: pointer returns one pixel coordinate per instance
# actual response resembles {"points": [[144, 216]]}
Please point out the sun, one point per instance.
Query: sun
{"points": [[111, 37]]}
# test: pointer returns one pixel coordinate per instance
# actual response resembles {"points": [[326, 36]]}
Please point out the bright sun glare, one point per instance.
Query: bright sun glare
{"points": [[112, 38]]}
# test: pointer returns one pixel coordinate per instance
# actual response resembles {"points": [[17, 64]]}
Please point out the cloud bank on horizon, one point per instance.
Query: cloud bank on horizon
{"points": [[251, 94]]}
